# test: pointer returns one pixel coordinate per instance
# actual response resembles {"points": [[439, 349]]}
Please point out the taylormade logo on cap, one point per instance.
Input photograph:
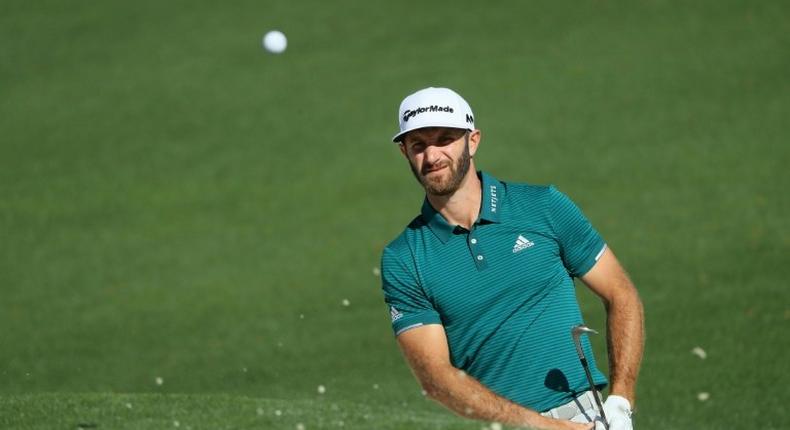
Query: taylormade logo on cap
{"points": [[434, 107], [410, 113]]}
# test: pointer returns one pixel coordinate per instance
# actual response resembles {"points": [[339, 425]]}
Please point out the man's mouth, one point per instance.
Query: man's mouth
{"points": [[433, 169]]}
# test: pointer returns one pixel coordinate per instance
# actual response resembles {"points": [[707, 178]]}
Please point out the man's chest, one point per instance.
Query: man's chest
{"points": [[492, 267]]}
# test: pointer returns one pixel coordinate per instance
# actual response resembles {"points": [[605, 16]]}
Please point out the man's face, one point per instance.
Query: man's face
{"points": [[439, 157]]}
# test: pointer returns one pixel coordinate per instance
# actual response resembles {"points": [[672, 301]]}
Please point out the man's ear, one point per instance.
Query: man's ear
{"points": [[474, 141], [402, 148]]}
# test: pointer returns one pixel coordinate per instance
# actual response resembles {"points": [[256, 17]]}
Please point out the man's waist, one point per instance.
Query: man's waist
{"points": [[581, 404]]}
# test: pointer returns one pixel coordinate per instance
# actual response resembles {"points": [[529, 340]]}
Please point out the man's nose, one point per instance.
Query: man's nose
{"points": [[432, 154]]}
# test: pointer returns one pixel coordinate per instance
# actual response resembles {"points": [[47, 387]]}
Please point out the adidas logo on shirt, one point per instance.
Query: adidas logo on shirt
{"points": [[395, 314], [522, 243]]}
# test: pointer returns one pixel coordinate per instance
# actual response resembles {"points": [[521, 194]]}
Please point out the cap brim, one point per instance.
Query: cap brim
{"points": [[397, 137]]}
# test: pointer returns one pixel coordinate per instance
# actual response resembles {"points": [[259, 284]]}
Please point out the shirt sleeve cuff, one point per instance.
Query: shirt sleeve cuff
{"points": [[413, 321], [591, 259]]}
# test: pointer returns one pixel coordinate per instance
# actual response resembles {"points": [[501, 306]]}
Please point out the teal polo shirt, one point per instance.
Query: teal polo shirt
{"points": [[503, 290]]}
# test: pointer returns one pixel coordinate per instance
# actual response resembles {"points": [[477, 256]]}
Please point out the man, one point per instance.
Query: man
{"points": [[480, 286]]}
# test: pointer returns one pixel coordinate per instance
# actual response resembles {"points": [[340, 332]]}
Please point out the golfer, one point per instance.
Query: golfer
{"points": [[480, 288]]}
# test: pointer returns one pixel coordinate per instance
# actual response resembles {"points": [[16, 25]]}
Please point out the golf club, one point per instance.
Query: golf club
{"points": [[576, 332]]}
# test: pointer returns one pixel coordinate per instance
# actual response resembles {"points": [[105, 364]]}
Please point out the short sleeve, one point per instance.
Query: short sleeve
{"points": [[580, 244], [408, 305]]}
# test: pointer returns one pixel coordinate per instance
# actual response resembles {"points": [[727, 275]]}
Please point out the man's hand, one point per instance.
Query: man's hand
{"points": [[618, 412], [556, 424]]}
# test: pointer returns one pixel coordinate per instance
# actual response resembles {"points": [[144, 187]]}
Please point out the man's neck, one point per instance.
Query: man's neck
{"points": [[463, 206]]}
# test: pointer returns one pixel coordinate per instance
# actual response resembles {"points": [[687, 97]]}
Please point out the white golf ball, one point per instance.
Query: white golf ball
{"points": [[275, 42]]}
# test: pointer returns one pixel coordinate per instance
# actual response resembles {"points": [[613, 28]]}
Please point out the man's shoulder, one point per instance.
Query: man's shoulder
{"points": [[401, 242], [528, 201], [528, 193]]}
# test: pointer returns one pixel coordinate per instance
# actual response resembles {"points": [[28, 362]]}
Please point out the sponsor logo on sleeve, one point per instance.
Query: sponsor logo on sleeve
{"points": [[395, 314]]}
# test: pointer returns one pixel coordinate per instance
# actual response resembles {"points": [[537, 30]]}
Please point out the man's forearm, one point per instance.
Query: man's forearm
{"points": [[469, 398], [625, 341], [425, 349]]}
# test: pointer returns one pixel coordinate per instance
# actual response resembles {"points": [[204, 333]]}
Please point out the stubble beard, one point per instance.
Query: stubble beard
{"points": [[438, 185]]}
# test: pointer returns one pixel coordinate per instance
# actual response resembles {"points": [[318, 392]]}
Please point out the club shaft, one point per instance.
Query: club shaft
{"points": [[576, 334], [594, 391]]}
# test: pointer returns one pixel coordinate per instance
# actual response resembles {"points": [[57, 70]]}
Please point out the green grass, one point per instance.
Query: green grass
{"points": [[183, 411], [176, 203]]}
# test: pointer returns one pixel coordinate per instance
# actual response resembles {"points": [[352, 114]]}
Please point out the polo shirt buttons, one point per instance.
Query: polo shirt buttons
{"points": [[476, 250]]}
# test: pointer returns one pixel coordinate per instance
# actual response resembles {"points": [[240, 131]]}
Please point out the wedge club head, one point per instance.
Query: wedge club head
{"points": [[576, 332]]}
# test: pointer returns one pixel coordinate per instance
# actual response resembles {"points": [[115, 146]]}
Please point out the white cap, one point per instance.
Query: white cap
{"points": [[434, 107]]}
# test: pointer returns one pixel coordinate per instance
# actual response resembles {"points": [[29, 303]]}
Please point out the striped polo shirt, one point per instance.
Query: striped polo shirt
{"points": [[503, 290]]}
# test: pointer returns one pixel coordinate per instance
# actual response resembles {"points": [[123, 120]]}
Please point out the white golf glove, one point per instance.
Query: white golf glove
{"points": [[618, 413]]}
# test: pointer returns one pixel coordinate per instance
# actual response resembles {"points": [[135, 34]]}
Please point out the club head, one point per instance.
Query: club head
{"points": [[581, 329]]}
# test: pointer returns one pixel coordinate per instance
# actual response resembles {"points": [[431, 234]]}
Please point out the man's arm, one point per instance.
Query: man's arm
{"points": [[624, 324], [428, 355]]}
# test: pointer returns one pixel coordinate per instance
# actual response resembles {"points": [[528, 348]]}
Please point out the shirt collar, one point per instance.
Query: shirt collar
{"points": [[493, 199], [440, 227]]}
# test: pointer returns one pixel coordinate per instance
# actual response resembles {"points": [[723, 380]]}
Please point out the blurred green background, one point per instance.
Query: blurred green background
{"points": [[176, 203]]}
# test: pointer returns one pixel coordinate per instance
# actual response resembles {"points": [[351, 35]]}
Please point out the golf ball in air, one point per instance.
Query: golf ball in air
{"points": [[275, 42]]}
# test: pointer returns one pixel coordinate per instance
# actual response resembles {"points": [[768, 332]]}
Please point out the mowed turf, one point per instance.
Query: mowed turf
{"points": [[198, 411], [177, 204]]}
